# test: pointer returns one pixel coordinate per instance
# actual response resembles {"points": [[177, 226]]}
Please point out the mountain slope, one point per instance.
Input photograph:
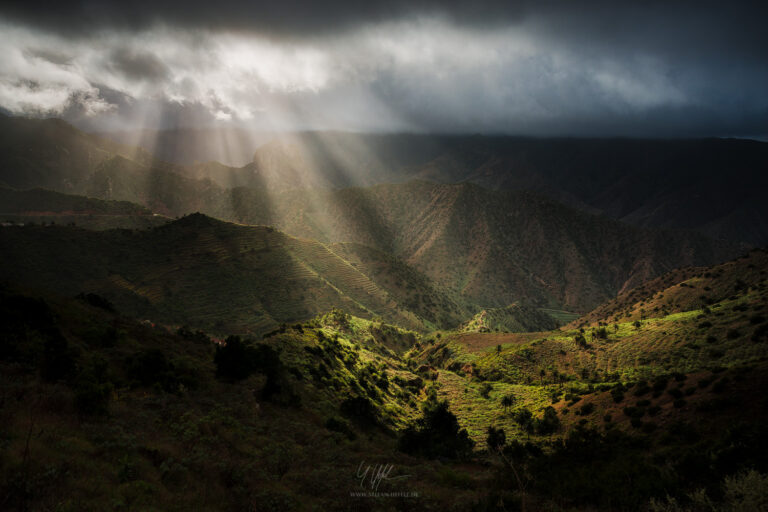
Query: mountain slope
{"points": [[50, 153], [710, 185], [629, 372], [201, 272], [513, 318], [496, 247], [682, 290], [46, 206]]}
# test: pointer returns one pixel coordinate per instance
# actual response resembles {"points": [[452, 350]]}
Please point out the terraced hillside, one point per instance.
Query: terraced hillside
{"points": [[513, 318], [590, 369], [409, 286], [495, 248], [202, 272]]}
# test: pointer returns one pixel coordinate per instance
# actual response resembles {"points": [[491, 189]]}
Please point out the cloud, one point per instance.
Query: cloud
{"points": [[595, 68], [138, 65]]}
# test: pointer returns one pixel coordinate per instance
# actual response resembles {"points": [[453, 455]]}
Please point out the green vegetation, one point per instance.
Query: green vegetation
{"points": [[204, 365]]}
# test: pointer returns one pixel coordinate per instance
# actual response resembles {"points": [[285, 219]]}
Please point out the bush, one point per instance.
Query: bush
{"points": [[361, 410], [151, 367], [341, 426], [92, 397], [58, 361], [721, 385], [642, 388], [93, 389], [549, 422], [237, 360], [97, 301], [436, 434], [495, 438], [233, 360]]}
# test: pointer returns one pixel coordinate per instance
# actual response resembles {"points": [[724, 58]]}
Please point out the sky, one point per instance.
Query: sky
{"points": [[541, 68]]}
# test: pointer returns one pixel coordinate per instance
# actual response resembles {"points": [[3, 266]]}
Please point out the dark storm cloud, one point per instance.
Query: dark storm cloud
{"points": [[139, 65], [293, 17], [558, 67], [712, 23]]}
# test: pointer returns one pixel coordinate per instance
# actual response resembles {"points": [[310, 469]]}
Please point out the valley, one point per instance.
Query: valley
{"points": [[195, 336]]}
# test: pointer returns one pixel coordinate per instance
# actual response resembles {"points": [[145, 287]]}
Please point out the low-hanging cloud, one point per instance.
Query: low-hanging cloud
{"points": [[677, 69]]}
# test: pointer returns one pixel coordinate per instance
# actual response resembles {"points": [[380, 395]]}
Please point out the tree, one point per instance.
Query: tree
{"points": [[485, 390], [508, 401], [524, 418], [436, 434], [233, 361], [496, 438], [549, 423]]}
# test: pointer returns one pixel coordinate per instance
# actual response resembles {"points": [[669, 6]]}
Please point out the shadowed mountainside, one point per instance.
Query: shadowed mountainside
{"points": [[207, 273], [713, 186], [496, 247]]}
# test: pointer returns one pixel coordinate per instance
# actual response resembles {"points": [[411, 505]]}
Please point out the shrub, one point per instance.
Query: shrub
{"points": [[97, 301], [92, 397], [338, 425], [361, 410], [549, 422], [495, 438], [233, 360], [660, 384], [151, 367], [642, 388], [436, 434], [58, 361], [93, 389], [721, 385]]}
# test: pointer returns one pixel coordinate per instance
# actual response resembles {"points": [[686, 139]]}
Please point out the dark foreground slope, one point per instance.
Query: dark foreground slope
{"points": [[102, 412], [109, 412]]}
